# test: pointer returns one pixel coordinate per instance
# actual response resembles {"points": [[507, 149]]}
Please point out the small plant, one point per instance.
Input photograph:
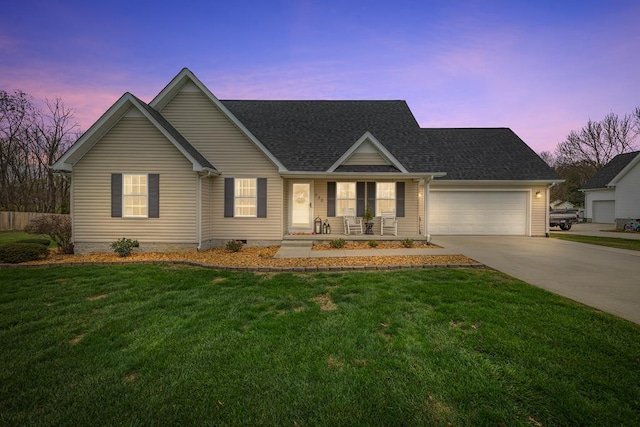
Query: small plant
{"points": [[372, 244], [124, 246], [15, 253], [407, 243], [337, 243], [234, 245], [368, 215]]}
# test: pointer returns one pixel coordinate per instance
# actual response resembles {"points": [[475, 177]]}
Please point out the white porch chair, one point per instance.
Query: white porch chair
{"points": [[351, 222], [388, 222]]}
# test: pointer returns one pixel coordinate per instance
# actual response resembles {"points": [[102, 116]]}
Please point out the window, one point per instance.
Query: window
{"points": [[385, 197], [246, 197], [345, 196], [135, 196]]}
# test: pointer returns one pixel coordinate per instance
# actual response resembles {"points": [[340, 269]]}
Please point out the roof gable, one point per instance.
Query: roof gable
{"points": [[367, 143], [126, 105], [184, 77], [613, 171]]}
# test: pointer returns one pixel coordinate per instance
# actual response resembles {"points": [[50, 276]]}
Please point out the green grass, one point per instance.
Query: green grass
{"points": [[13, 236], [169, 345], [612, 242]]}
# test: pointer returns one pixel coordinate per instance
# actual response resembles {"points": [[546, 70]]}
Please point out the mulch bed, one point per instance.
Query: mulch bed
{"points": [[262, 259]]}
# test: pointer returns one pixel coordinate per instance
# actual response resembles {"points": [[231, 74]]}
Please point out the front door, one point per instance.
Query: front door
{"points": [[301, 206]]}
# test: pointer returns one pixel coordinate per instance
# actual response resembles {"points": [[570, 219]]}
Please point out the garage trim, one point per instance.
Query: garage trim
{"points": [[526, 191]]}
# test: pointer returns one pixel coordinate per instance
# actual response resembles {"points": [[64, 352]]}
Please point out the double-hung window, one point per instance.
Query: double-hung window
{"points": [[246, 197], [345, 197], [135, 196], [385, 197]]}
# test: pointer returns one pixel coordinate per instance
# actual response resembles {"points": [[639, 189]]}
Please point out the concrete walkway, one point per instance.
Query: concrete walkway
{"points": [[302, 249]]}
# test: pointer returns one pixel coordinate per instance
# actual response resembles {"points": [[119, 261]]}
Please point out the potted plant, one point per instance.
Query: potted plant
{"points": [[367, 217]]}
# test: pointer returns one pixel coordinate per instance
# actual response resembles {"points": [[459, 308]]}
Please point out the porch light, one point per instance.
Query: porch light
{"points": [[317, 225], [538, 194]]}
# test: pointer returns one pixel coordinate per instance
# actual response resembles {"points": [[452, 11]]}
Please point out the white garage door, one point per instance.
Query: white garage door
{"points": [[604, 211], [478, 212]]}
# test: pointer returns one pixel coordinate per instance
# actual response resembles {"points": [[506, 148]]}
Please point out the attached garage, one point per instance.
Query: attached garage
{"points": [[604, 211], [479, 213]]}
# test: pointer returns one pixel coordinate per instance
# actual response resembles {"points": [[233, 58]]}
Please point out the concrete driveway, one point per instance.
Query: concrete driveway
{"points": [[605, 278]]}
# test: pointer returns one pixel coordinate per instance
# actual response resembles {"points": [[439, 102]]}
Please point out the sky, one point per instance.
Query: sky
{"points": [[541, 68]]}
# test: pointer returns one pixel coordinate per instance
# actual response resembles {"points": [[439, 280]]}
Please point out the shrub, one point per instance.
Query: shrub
{"points": [[58, 227], [407, 243], [372, 244], [234, 245], [124, 246], [15, 253], [43, 242], [337, 243]]}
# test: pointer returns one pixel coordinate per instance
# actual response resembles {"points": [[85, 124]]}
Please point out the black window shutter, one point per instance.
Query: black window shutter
{"points": [[154, 195], [371, 197], [262, 197], [400, 199], [331, 198], [116, 195], [360, 198], [229, 189]]}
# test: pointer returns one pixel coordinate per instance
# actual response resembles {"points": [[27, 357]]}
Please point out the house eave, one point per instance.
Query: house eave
{"points": [[506, 182], [363, 175]]}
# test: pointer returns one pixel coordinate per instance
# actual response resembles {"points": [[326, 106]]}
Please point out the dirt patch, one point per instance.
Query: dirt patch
{"points": [[130, 378], [325, 302], [335, 363], [97, 297], [76, 339]]}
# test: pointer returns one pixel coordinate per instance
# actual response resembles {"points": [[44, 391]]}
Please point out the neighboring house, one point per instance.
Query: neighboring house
{"points": [[613, 194], [191, 171], [560, 204]]}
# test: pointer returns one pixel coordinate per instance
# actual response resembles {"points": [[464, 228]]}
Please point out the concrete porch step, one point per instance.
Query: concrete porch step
{"points": [[296, 244]]}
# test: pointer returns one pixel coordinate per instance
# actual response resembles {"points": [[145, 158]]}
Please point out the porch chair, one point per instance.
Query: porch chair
{"points": [[388, 222], [351, 222]]}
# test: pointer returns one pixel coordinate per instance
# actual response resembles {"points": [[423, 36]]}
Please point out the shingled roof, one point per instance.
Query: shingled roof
{"points": [[605, 175], [311, 135]]}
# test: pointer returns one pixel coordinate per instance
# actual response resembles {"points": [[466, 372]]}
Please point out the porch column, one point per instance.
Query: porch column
{"points": [[425, 199]]}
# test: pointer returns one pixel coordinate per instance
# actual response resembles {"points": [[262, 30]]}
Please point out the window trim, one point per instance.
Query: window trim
{"points": [[125, 195], [339, 199], [394, 186], [236, 197]]}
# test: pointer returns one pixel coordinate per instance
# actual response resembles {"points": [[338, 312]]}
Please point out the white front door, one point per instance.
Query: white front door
{"points": [[301, 206]]}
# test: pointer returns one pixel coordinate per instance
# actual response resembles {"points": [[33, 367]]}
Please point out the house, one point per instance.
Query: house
{"points": [[613, 194], [191, 171], [561, 205]]}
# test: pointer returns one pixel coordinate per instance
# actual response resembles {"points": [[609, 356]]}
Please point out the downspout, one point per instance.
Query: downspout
{"points": [[547, 195], [425, 200]]}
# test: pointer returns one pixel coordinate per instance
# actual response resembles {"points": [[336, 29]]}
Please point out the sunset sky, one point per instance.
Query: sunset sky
{"points": [[541, 67]]}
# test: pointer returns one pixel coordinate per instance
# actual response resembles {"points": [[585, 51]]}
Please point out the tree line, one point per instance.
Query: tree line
{"points": [[584, 152], [31, 139]]}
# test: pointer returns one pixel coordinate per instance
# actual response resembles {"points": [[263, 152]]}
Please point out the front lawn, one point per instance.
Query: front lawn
{"points": [[14, 236], [612, 242], [172, 345]]}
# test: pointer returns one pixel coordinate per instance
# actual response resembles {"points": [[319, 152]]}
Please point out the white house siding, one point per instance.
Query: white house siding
{"points": [[133, 145], [628, 195], [597, 196], [235, 156]]}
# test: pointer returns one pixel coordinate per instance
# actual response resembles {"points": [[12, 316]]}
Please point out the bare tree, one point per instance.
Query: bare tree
{"points": [[31, 140], [548, 158], [598, 142]]}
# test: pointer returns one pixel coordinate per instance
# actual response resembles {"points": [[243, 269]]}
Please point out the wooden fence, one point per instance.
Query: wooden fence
{"points": [[10, 221]]}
